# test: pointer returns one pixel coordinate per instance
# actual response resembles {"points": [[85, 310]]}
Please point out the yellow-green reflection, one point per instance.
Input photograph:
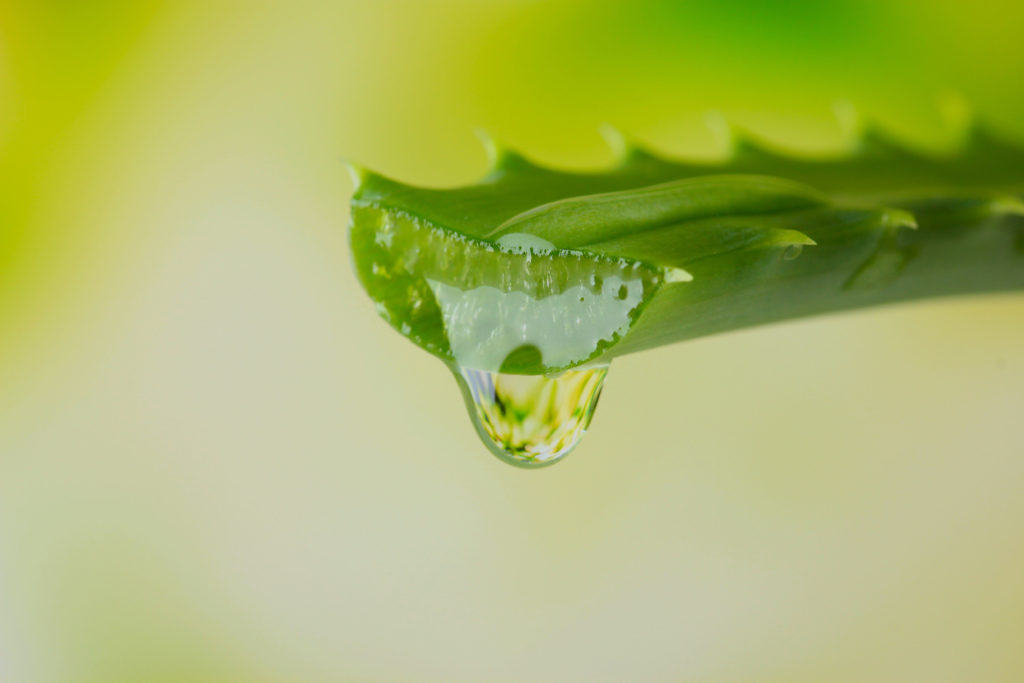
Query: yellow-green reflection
{"points": [[531, 420]]}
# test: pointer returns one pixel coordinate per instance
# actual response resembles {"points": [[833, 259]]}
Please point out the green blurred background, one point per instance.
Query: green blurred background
{"points": [[216, 464]]}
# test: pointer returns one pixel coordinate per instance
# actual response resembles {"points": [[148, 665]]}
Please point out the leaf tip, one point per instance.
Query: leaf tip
{"points": [[721, 130], [619, 143], [801, 238], [500, 157], [743, 144], [673, 274], [494, 150], [737, 141], [895, 219], [357, 173], [792, 242], [956, 113], [848, 117]]}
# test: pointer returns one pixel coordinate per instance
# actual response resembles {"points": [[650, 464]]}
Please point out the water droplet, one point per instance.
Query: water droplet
{"points": [[531, 420], [525, 243], [793, 251]]}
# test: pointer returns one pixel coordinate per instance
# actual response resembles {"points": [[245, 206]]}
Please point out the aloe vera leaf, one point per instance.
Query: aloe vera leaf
{"points": [[653, 251]]}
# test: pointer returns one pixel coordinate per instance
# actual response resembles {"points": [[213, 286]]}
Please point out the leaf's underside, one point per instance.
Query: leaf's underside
{"points": [[691, 249]]}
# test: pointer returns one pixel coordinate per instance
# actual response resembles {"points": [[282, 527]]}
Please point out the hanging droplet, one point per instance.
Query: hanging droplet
{"points": [[793, 251], [531, 420]]}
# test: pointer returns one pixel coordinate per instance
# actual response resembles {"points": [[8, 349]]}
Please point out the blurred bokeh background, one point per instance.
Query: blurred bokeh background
{"points": [[217, 464]]}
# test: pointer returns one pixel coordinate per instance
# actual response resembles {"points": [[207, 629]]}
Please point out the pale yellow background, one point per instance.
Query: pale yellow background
{"points": [[217, 464]]}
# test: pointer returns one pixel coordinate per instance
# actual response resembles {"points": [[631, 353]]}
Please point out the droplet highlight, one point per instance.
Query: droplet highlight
{"points": [[531, 420]]}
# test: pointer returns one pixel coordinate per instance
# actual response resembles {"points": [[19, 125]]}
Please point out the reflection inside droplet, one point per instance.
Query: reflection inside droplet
{"points": [[531, 420]]}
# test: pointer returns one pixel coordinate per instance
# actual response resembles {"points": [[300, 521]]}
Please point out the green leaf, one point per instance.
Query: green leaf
{"points": [[581, 267]]}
